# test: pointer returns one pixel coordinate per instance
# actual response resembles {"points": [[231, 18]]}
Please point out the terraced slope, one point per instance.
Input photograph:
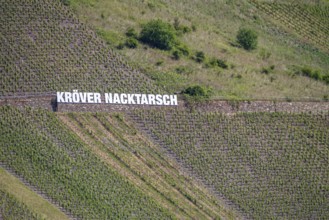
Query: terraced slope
{"points": [[39, 148], [311, 22], [44, 48], [98, 166], [17, 201], [269, 165]]}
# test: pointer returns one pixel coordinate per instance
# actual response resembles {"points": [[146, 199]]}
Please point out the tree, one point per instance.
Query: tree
{"points": [[247, 38], [159, 34]]}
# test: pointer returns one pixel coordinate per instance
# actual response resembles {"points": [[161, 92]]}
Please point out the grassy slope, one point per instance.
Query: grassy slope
{"points": [[269, 165], [12, 186], [216, 25]]}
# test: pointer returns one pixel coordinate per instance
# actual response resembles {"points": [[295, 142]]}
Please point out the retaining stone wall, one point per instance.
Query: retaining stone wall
{"points": [[49, 102]]}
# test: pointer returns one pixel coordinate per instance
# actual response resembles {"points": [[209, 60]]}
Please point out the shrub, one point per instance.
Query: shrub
{"points": [[200, 56], [184, 49], [267, 70], [158, 34], [198, 92], [314, 74], [247, 38], [193, 27], [177, 54], [306, 71], [120, 46], [131, 43], [181, 70], [325, 78], [218, 62], [131, 33]]}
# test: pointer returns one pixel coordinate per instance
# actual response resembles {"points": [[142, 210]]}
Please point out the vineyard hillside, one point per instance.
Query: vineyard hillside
{"points": [[98, 166], [247, 140], [45, 48], [268, 165]]}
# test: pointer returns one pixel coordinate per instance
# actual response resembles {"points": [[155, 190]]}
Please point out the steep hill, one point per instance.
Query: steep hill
{"points": [[203, 160], [96, 166], [44, 49], [291, 55], [269, 165]]}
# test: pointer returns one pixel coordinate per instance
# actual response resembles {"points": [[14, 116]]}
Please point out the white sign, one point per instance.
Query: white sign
{"points": [[116, 98]]}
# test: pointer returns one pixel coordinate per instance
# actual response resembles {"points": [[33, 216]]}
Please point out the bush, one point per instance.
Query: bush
{"points": [[314, 74], [325, 78], [200, 56], [198, 92], [120, 46], [306, 72], [177, 54], [131, 33], [218, 62], [247, 38], [131, 43], [184, 49], [158, 34]]}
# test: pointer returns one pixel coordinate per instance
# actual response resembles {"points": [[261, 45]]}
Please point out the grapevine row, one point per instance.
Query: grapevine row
{"points": [[267, 164], [37, 147], [45, 48]]}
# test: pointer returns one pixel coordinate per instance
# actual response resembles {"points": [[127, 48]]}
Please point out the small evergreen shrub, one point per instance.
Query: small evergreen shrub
{"points": [[158, 34], [247, 38]]}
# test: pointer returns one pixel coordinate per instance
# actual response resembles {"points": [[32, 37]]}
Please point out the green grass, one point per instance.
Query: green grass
{"points": [[216, 25], [268, 165], [25, 202]]}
